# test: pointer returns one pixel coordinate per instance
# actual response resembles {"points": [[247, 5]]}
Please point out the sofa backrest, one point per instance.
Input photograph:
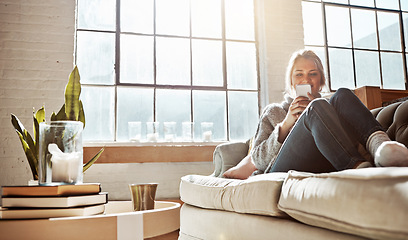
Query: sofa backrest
{"points": [[394, 119]]}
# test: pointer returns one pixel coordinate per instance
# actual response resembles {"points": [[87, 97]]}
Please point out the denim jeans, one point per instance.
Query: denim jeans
{"points": [[325, 137]]}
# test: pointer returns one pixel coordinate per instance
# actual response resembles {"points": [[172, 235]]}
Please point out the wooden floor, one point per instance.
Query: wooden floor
{"points": [[169, 236]]}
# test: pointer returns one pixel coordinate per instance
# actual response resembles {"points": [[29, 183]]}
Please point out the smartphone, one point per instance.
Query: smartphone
{"points": [[303, 89]]}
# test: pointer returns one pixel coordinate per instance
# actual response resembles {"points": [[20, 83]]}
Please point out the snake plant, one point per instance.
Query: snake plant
{"points": [[72, 109]]}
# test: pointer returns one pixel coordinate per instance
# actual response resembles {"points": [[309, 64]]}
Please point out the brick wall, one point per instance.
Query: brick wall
{"points": [[36, 57], [283, 35]]}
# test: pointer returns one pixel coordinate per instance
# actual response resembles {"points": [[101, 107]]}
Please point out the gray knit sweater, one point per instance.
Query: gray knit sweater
{"points": [[265, 144]]}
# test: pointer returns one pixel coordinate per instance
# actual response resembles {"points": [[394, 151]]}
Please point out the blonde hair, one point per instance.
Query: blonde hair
{"points": [[307, 54]]}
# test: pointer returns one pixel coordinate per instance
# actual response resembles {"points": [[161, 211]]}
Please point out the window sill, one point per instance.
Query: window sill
{"points": [[147, 152], [139, 144]]}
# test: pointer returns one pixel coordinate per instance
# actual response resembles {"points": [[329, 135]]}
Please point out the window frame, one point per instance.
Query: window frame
{"points": [[326, 47], [224, 88]]}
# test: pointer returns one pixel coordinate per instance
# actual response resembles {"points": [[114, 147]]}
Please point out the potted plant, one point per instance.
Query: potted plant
{"points": [[72, 109]]}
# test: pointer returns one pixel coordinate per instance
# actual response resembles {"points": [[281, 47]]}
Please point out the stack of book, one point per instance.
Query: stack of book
{"points": [[25, 202]]}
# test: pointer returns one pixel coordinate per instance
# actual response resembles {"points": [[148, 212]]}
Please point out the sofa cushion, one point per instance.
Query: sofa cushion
{"points": [[210, 224], [370, 202], [258, 194]]}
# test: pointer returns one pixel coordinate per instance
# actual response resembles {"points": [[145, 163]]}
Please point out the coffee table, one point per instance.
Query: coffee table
{"points": [[119, 222]]}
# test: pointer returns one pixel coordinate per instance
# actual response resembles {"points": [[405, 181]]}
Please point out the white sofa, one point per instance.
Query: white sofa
{"points": [[369, 203]]}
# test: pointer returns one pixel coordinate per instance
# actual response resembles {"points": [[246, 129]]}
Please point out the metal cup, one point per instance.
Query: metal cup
{"points": [[143, 195]]}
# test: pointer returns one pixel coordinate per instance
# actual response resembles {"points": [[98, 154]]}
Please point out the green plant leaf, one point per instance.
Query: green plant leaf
{"points": [[60, 116], [21, 130], [81, 113], [32, 159], [90, 162], [28, 145], [30, 142], [38, 117], [72, 92], [17, 124]]}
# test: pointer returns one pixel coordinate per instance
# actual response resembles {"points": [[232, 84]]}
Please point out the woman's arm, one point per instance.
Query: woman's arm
{"points": [[273, 128], [296, 108], [266, 145]]}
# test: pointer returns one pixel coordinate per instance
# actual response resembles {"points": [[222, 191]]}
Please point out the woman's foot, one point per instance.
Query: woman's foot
{"points": [[366, 164], [391, 154], [243, 170]]}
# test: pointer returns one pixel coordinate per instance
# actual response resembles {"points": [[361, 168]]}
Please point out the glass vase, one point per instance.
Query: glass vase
{"points": [[60, 152]]}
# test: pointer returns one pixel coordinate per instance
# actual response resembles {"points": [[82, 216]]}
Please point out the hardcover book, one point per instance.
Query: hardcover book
{"points": [[53, 190], [30, 213], [55, 202]]}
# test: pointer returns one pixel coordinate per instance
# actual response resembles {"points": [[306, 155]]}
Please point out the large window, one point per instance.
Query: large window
{"points": [[363, 42], [168, 61]]}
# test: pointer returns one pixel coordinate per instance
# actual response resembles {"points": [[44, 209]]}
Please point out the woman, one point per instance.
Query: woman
{"points": [[317, 135]]}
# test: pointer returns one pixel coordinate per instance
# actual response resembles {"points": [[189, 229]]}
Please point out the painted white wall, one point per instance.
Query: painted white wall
{"points": [[36, 57]]}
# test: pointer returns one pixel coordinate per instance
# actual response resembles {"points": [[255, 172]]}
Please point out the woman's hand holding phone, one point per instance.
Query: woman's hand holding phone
{"points": [[296, 108], [302, 90], [299, 104]]}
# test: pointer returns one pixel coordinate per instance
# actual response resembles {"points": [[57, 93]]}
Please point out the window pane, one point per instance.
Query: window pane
{"points": [[341, 68], [136, 59], [392, 70], [364, 29], [96, 57], [367, 68], [134, 105], [173, 106], [405, 19], [312, 23], [366, 3], [241, 65], [210, 106], [206, 18], [99, 108], [173, 61], [97, 14], [175, 46], [207, 63], [389, 30], [136, 16], [239, 19], [388, 4], [338, 26], [243, 114], [173, 17], [404, 5]]}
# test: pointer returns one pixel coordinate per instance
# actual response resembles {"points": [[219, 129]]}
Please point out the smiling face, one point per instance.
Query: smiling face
{"points": [[305, 71]]}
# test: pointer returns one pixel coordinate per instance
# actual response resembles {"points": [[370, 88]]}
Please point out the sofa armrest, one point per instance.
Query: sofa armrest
{"points": [[227, 155], [394, 119]]}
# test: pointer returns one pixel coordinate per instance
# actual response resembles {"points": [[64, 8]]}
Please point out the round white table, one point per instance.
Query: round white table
{"points": [[118, 222]]}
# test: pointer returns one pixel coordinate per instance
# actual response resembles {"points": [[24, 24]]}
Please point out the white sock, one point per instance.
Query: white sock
{"points": [[391, 154]]}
